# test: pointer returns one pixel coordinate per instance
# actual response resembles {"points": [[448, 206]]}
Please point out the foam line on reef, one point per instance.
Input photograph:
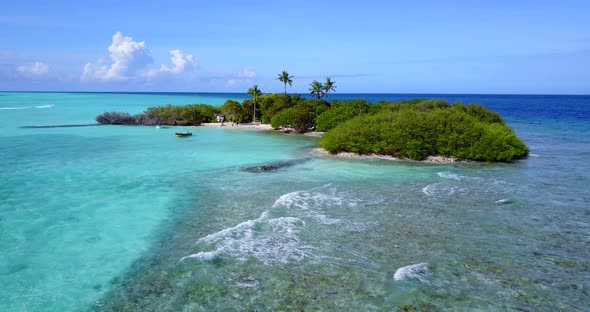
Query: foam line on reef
{"points": [[276, 239], [310, 201], [414, 271], [266, 239]]}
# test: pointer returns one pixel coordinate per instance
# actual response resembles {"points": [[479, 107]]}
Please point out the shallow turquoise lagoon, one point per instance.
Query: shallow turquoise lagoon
{"points": [[136, 219]]}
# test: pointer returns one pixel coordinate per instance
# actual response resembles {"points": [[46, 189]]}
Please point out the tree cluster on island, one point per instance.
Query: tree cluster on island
{"points": [[412, 129]]}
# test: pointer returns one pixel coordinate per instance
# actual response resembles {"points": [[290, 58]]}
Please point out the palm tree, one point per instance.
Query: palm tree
{"points": [[255, 93], [329, 86], [317, 89], [286, 79]]}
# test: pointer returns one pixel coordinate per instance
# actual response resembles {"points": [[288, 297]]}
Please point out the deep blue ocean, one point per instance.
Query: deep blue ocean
{"points": [[115, 218]]}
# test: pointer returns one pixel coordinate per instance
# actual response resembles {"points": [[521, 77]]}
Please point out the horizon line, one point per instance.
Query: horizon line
{"points": [[336, 94]]}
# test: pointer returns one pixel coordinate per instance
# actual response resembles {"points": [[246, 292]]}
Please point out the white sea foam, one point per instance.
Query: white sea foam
{"points": [[304, 199], [45, 106], [414, 271], [203, 255], [457, 177], [240, 228], [429, 189], [8, 108], [440, 189], [450, 175], [26, 107], [311, 203], [505, 201], [268, 240]]}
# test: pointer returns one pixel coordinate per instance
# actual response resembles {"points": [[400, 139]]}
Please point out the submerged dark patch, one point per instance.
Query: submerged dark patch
{"points": [[274, 166]]}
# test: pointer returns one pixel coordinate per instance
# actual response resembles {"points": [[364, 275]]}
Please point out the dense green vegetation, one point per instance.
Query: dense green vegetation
{"points": [[340, 112], [420, 128], [412, 129], [187, 115]]}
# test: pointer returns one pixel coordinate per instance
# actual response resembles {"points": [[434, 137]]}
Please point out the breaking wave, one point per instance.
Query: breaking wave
{"points": [[277, 239], [266, 239], [414, 271], [310, 202]]}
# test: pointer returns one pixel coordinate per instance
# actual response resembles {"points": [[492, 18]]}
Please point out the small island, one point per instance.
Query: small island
{"points": [[410, 129]]}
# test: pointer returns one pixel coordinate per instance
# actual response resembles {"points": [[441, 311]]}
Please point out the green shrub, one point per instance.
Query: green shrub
{"points": [[417, 129], [233, 110], [194, 114], [479, 112], [340, 112], [300, 117], [115, 118], [272, 104]]}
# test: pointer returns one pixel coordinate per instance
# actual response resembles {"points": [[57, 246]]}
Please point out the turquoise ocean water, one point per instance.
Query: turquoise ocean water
{"points": [[135, 219]]}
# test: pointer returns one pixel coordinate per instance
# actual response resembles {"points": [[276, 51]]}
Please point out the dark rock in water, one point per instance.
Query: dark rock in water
{"points": [[274, 166]]}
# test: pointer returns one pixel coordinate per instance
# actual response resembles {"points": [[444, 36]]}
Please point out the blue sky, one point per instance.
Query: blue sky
{"points": [[531, 47]]}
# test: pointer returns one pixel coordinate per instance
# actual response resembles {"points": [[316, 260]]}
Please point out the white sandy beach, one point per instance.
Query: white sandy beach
{"points": [[259, 126]]}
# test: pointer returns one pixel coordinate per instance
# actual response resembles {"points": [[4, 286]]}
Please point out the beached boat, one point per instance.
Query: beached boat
{"points": [[184, 134]]}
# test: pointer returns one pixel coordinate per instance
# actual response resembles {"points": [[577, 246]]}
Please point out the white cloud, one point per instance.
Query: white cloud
{"points": [[247, 72], [36, 69], [241, 78], [129, 59], [182, 62], [132, 59]]}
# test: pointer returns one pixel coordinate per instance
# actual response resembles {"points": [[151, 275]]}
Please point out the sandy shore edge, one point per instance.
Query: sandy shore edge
{"points": [[227, 125], [320, 152], [259, 127]]}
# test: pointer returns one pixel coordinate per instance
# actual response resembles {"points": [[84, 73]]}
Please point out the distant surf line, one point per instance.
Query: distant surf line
{"points": [[27, 107]]}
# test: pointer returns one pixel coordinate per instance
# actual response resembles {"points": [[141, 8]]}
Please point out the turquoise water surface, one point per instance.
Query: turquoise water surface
{"points": [[135, 219]]}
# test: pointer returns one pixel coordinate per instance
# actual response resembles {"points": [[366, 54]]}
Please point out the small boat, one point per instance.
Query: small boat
{"points": [[183, 134]]}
